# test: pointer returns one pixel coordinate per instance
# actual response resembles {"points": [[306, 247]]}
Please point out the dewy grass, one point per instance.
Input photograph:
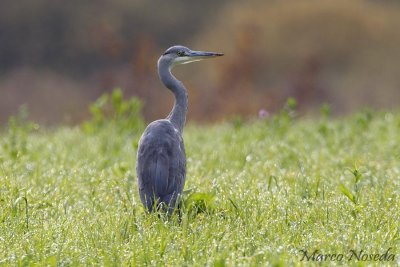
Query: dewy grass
{"points": [[280, 191]]}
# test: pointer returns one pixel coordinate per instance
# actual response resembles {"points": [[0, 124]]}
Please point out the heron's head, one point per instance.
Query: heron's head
{"points": [[178, 54]]}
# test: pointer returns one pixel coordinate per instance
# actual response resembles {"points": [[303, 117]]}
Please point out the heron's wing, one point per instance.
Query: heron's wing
{"points": [[153, 171], [158, 169], [179, 167]]}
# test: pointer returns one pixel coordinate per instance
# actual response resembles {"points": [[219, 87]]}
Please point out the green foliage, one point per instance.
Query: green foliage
{"points": [[326, 110], [237, 122], [354, 194], [261, 194], [113, 111], [18, 128], [289, 110], [285, 117], [198, 202]]}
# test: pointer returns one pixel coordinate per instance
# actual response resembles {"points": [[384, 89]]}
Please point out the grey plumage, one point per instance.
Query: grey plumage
{"points": [[161, 159]]}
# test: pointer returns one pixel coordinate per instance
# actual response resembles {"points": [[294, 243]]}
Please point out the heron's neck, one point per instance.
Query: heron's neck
{"points": [[178, 113]]}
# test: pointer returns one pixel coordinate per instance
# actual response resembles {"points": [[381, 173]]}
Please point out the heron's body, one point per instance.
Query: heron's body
{"points": [[161, 160], [161, 164]]}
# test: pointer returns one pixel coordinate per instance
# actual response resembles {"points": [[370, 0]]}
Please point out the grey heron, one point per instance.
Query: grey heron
{"points": [[161, 159]]}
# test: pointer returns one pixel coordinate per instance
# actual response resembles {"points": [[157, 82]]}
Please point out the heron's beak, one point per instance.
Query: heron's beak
{"points": [[204, 55], [193, 56]]}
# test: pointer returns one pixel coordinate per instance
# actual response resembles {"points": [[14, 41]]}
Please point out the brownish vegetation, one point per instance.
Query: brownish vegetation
{"points": [[57, 58], [346, 53]]}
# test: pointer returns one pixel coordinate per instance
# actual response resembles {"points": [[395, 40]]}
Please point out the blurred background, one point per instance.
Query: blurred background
{"points": [[57, 56]]}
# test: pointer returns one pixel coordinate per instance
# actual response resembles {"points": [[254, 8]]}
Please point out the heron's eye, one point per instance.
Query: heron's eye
{"points": [[180, 53]]}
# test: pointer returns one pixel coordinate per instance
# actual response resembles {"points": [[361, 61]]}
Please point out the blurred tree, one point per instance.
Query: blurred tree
{"points": [[61, 55], [344, 52], [81, 36]]}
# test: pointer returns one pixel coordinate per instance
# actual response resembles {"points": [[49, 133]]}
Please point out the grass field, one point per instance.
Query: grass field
{"points": [[268, 192]]}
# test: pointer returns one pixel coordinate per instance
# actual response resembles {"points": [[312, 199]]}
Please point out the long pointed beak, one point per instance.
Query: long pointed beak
{"points": [[194, 56], [203, 55]]}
